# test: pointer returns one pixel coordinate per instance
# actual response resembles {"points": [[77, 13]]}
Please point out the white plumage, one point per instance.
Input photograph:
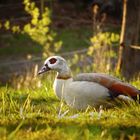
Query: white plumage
{"points": [[80, 94]]}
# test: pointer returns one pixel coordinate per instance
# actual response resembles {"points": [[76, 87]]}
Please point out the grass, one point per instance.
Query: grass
{"points": [[36, 113], [19, 44], [74, 39]]}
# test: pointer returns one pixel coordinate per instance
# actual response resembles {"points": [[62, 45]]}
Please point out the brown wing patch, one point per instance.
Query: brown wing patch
{"points": [[107, 82], [117, 86], [124, 89]]}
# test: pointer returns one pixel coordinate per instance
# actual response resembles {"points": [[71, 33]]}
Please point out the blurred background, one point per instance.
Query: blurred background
{"points": [[93, 35]]}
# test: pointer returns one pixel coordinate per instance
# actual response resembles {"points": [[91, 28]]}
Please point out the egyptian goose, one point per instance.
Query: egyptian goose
{"points": [[85, 89]]}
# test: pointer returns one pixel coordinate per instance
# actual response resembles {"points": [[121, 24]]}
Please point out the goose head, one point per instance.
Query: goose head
{"points": [[58, 64]]}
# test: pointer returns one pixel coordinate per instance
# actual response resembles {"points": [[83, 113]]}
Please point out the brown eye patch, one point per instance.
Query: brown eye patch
{"points": [[52, 60]]}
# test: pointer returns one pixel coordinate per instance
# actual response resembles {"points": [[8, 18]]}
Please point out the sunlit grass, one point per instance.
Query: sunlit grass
{"points": [[22, 44], [36, 113], [71, 36]]}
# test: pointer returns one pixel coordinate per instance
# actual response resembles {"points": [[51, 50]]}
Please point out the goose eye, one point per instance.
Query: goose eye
{"points": [[52, 60]]}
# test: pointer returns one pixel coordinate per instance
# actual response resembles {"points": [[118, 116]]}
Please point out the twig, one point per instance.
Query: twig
{"points": [[135, 47]]}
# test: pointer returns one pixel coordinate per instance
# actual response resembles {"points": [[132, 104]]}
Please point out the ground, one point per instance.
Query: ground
{"points": [[36, 113]]}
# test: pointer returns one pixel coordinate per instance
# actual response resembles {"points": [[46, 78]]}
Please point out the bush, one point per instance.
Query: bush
{"points": [[38, 28], [102, 50]]}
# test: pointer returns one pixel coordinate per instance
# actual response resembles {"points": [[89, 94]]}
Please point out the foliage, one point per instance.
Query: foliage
{"points": [[38, 28], [101, 55], [102, 49]]}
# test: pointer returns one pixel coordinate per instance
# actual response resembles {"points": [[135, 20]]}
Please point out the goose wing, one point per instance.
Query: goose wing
{"points": [[116, 86]]}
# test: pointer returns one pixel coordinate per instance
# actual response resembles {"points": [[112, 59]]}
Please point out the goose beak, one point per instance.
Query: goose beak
{"points": [[44, 69]]}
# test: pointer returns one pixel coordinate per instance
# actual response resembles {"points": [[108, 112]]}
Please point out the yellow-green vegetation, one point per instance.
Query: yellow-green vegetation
{"points": [[23, 44], [103, 49], [38, 28], [34, 112]]}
